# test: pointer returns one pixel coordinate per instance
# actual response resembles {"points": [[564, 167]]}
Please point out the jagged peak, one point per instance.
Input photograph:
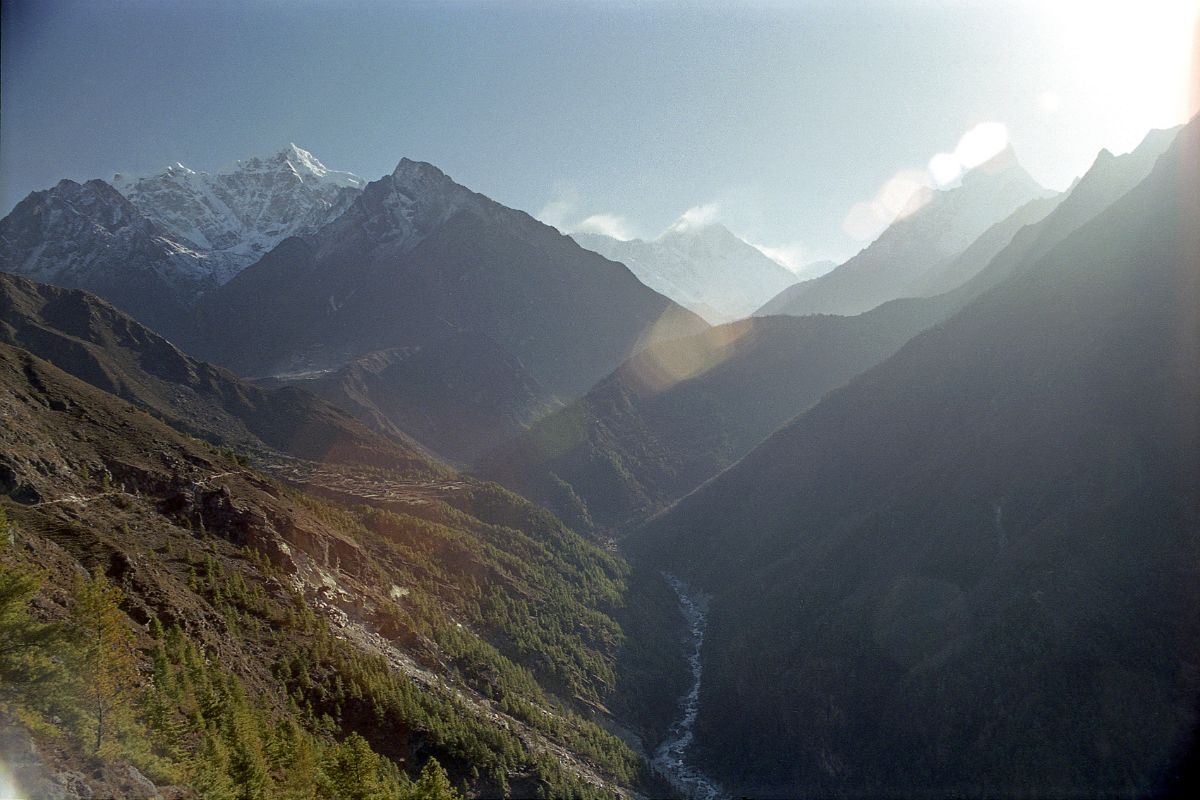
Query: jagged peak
{"points": [[1004, 162], [300, 162], [409, 171], [72, 189]]}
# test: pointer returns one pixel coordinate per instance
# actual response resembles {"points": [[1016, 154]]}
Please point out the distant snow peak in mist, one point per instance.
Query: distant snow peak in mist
{"points": [[699, 263]]}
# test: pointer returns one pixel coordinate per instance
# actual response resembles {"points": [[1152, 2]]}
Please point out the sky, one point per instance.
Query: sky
{"points": [[790, 122]]}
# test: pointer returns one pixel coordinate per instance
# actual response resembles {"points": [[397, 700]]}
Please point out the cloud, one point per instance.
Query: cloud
{"points": [[606, 224], [791, 256], [697, 217], [563, 213], [796, 258]]}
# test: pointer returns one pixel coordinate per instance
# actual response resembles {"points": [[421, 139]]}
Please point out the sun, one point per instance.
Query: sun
{"points": [[1134, 57]]}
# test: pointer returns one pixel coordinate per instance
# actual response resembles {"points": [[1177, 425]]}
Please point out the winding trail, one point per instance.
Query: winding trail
{"points": [[670, 759]]}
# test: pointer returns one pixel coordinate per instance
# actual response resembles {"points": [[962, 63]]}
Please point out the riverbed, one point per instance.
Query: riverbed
{"points": [[671, 758]]}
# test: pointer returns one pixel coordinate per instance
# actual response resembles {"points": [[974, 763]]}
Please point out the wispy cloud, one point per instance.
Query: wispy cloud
{"points": [[697, 217], [606, 224], [563, 212]]}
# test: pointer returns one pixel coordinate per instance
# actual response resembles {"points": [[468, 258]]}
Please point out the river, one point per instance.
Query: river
{"points": [[670, 759]]}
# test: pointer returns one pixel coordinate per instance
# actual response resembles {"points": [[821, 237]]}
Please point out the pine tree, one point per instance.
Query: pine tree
{"points": [[25, 657], [107, 655], [353, 770], [247, 764], [210, 770], [293, 757], [434, 784]]}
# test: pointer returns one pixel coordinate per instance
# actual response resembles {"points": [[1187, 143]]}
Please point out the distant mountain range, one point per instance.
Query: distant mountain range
{"points": [[939, 226], [153, 245], [971, 570], [703, 267], [416, 261]]}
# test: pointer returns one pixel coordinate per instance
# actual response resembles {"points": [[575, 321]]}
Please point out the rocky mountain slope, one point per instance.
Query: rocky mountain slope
{"points": [[459, 396], [96, 343], [974, 566], [681, 411], [941, 227], [703, 267]]}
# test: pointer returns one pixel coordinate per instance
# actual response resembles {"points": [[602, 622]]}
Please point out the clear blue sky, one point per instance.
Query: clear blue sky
{"points": [[779, 116]]}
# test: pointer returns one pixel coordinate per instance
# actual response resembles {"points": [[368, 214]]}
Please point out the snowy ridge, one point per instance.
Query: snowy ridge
{"points": [[237, 214]]}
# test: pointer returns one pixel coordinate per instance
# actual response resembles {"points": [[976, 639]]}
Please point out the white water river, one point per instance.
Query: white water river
{"points": [[670, 759]]}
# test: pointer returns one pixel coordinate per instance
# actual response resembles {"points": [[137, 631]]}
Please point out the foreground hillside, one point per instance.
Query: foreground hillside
{"points": [[973, 570], [266, 640]]}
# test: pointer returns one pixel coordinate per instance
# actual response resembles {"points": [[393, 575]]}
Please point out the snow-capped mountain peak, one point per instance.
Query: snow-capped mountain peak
{"points": [[238, 213], [299, 162]]}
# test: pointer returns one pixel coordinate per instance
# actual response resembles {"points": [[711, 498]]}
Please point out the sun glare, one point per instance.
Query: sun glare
{"points": [[1136, 56]]}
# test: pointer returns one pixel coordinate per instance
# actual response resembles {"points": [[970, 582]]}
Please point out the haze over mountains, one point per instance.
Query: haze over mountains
{"points": [[417, 258], [413, 264], [680, 412], [702, 266], [925, 525]]}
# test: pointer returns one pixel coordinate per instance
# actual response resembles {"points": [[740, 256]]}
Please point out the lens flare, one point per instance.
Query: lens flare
{"points": [[668, 363], [980, 144]]}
